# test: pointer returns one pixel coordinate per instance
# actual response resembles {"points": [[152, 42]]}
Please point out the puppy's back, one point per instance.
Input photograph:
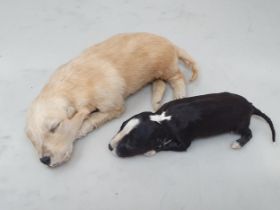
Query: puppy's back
{"points": [[209, 114]]}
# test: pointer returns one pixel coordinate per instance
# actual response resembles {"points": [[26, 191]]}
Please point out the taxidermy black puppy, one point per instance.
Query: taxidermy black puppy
{"points": [[177, 123]]}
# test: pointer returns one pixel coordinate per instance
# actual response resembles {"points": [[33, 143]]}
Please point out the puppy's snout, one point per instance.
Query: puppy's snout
{"points": [[110, 147], [46, 160]]}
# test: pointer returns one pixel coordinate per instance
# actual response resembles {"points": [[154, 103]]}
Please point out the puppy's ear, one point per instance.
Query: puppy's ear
{"points": [[70, 111]]}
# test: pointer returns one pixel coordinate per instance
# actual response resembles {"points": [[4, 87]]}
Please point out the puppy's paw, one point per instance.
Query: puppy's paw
{"points": [[235, 145], [150, 153], [80, 135], [179, 96], [85, 129], [156, 105]]}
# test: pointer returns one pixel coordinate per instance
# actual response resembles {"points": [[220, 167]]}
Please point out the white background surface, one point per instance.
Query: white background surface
{"points": [[236, 44]]}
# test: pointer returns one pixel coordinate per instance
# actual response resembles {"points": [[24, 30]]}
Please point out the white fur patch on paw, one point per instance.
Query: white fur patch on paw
{"points": [[235, 145], [150, 153]]}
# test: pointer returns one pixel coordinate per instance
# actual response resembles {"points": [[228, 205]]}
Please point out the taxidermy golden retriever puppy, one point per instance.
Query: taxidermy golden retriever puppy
{"points": [[90, 89]]}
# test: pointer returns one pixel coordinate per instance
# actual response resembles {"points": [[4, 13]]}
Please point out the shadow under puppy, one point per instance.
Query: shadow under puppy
{"points": [[177, 123]]}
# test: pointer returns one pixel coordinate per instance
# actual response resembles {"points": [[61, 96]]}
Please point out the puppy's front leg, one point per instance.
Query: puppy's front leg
{"points": [[176, 146], [97, 119]]}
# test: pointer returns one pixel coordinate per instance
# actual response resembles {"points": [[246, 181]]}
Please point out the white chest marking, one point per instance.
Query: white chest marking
{"points": [[127, 128], [159, 118]]}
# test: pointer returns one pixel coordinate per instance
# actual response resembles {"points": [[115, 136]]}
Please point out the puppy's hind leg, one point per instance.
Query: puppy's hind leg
{"points": [[178, 84], [246, 135], [158, 91]]}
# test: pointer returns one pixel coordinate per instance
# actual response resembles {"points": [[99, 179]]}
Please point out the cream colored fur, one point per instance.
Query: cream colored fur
{"points": [[101, 78]]}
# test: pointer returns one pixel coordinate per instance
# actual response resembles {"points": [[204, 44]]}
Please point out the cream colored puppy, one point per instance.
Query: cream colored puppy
{"points": [[90, 89]]}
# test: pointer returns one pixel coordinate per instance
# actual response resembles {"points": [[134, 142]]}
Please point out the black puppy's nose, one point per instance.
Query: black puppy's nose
{"points": [[110, 147], [46, 160]]}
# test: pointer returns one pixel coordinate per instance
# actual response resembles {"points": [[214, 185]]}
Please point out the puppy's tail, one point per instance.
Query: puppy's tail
{"points": [[256, 111], [188, 61]]}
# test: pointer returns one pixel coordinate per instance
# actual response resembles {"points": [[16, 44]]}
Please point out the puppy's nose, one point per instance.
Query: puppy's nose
{"points": [[110, 147], [46, 160]]}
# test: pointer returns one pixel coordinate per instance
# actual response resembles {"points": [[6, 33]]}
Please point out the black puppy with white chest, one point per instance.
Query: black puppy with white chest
{"points": [[177, 123]]}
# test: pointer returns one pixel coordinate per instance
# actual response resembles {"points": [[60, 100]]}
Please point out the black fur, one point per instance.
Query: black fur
{"points": [[194, 117]]}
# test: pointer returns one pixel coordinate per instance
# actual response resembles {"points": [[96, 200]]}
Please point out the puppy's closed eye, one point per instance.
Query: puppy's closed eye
{"points": [[54, 127]]}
